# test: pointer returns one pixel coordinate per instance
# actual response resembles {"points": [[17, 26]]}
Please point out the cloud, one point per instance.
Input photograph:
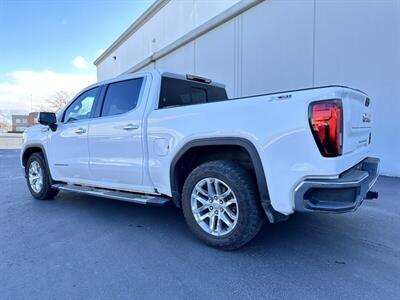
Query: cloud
{"points": [[17, 87], [80, 62]]}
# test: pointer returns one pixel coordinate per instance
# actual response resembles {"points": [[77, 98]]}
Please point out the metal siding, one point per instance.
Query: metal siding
{"points": [[179, 61], [277, 47], [357, 44], [179, 19], [215, 55], [206, 9]]}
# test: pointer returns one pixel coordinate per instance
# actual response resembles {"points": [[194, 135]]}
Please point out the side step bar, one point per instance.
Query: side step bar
{"points": [[114, 194]]}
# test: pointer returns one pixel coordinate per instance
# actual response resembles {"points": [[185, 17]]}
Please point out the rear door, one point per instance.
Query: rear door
{"points": [[116, 137]]}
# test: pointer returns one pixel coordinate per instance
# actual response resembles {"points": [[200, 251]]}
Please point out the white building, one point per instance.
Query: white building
{"points": [[256, 46]]}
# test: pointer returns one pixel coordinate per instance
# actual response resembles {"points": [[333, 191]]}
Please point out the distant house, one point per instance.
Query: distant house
{"points": [[21, 122]]}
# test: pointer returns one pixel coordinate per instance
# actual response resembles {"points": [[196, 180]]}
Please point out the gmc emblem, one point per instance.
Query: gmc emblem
{"points": [[366, 118]]}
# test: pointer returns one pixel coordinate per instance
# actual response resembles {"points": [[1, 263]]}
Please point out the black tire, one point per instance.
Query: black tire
{"points": [[46, 192], [242, 183]]}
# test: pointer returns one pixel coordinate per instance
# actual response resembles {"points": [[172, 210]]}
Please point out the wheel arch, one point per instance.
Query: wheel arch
{"points": [[237, 142]]}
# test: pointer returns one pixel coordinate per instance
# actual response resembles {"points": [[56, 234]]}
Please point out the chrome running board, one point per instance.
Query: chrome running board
{"points": [[114, 194]]}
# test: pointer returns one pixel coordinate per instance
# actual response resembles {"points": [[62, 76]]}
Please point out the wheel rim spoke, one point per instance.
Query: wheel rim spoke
{"points": [[225, 220], [210, 188], [200, 209], [226, 193], [229, 202], [219, 226], [217, 187], [205, 216], [200, 199], [230, 213], [201, 191], [212, 222]]}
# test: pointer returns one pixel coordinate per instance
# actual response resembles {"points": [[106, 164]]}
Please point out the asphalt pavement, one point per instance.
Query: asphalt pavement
{"points": [[83, 247]]}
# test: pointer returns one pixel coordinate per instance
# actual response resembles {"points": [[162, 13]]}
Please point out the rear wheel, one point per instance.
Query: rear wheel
{"points": [[38, 178], [221, 205]]}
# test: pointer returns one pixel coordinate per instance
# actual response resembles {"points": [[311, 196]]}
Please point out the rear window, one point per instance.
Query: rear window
{"points": [[178, 92]]}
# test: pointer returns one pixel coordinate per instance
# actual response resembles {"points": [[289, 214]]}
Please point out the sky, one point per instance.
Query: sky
{"points": [[47, 46]]}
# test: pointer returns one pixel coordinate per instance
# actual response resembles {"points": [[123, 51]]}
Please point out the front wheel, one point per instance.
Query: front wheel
{"points": [[221, 204], [38, 178]]}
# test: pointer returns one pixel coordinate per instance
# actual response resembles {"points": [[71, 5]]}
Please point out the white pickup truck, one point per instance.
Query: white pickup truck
{"points": [[159, 138]]}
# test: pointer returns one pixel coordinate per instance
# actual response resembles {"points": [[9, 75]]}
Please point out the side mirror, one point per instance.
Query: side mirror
{"points": [[48, 119]]}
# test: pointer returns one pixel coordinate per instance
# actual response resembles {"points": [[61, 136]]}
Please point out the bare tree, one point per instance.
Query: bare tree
{"points": [[57, 101], [5, 117]]}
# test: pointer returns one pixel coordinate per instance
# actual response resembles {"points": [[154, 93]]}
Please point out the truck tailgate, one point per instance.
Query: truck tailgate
{"points": [[357, 121]]}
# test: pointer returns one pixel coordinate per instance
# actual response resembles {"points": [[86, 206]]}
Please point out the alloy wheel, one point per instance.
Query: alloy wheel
{"points": [[214, 206]]}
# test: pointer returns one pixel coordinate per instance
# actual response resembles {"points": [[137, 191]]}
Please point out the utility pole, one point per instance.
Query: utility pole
{"points": [[31, 103]]}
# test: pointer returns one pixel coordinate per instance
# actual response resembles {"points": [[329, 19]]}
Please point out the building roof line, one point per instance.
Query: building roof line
{"points": [[148, 14], [211, 24]]}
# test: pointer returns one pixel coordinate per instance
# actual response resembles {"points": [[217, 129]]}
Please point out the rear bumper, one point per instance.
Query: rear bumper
{"points": [[343, 194]]}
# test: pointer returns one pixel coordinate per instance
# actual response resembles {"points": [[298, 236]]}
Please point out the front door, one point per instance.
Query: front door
{"points": [[115, 137], [69, 153]]}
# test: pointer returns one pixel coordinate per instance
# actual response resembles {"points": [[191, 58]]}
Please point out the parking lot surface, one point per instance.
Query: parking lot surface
{"points": [[83, 247]]}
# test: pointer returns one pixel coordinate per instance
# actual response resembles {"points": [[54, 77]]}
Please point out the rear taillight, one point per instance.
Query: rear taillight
{"points": [[326, 121]]}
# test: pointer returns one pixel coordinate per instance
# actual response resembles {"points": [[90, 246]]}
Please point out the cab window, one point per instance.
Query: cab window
{"points": [[121, 97], [178, 92], [82, 107]]}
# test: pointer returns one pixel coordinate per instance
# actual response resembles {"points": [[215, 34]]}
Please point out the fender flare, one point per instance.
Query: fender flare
{"points": [[33, 145], [223, 141]]}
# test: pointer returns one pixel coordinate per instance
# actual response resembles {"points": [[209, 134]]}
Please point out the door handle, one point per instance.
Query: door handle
{"points": [[80, 131], [131, 127]]}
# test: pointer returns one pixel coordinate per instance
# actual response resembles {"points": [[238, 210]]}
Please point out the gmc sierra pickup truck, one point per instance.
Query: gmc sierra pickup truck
{"points": [[159, 138]]}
